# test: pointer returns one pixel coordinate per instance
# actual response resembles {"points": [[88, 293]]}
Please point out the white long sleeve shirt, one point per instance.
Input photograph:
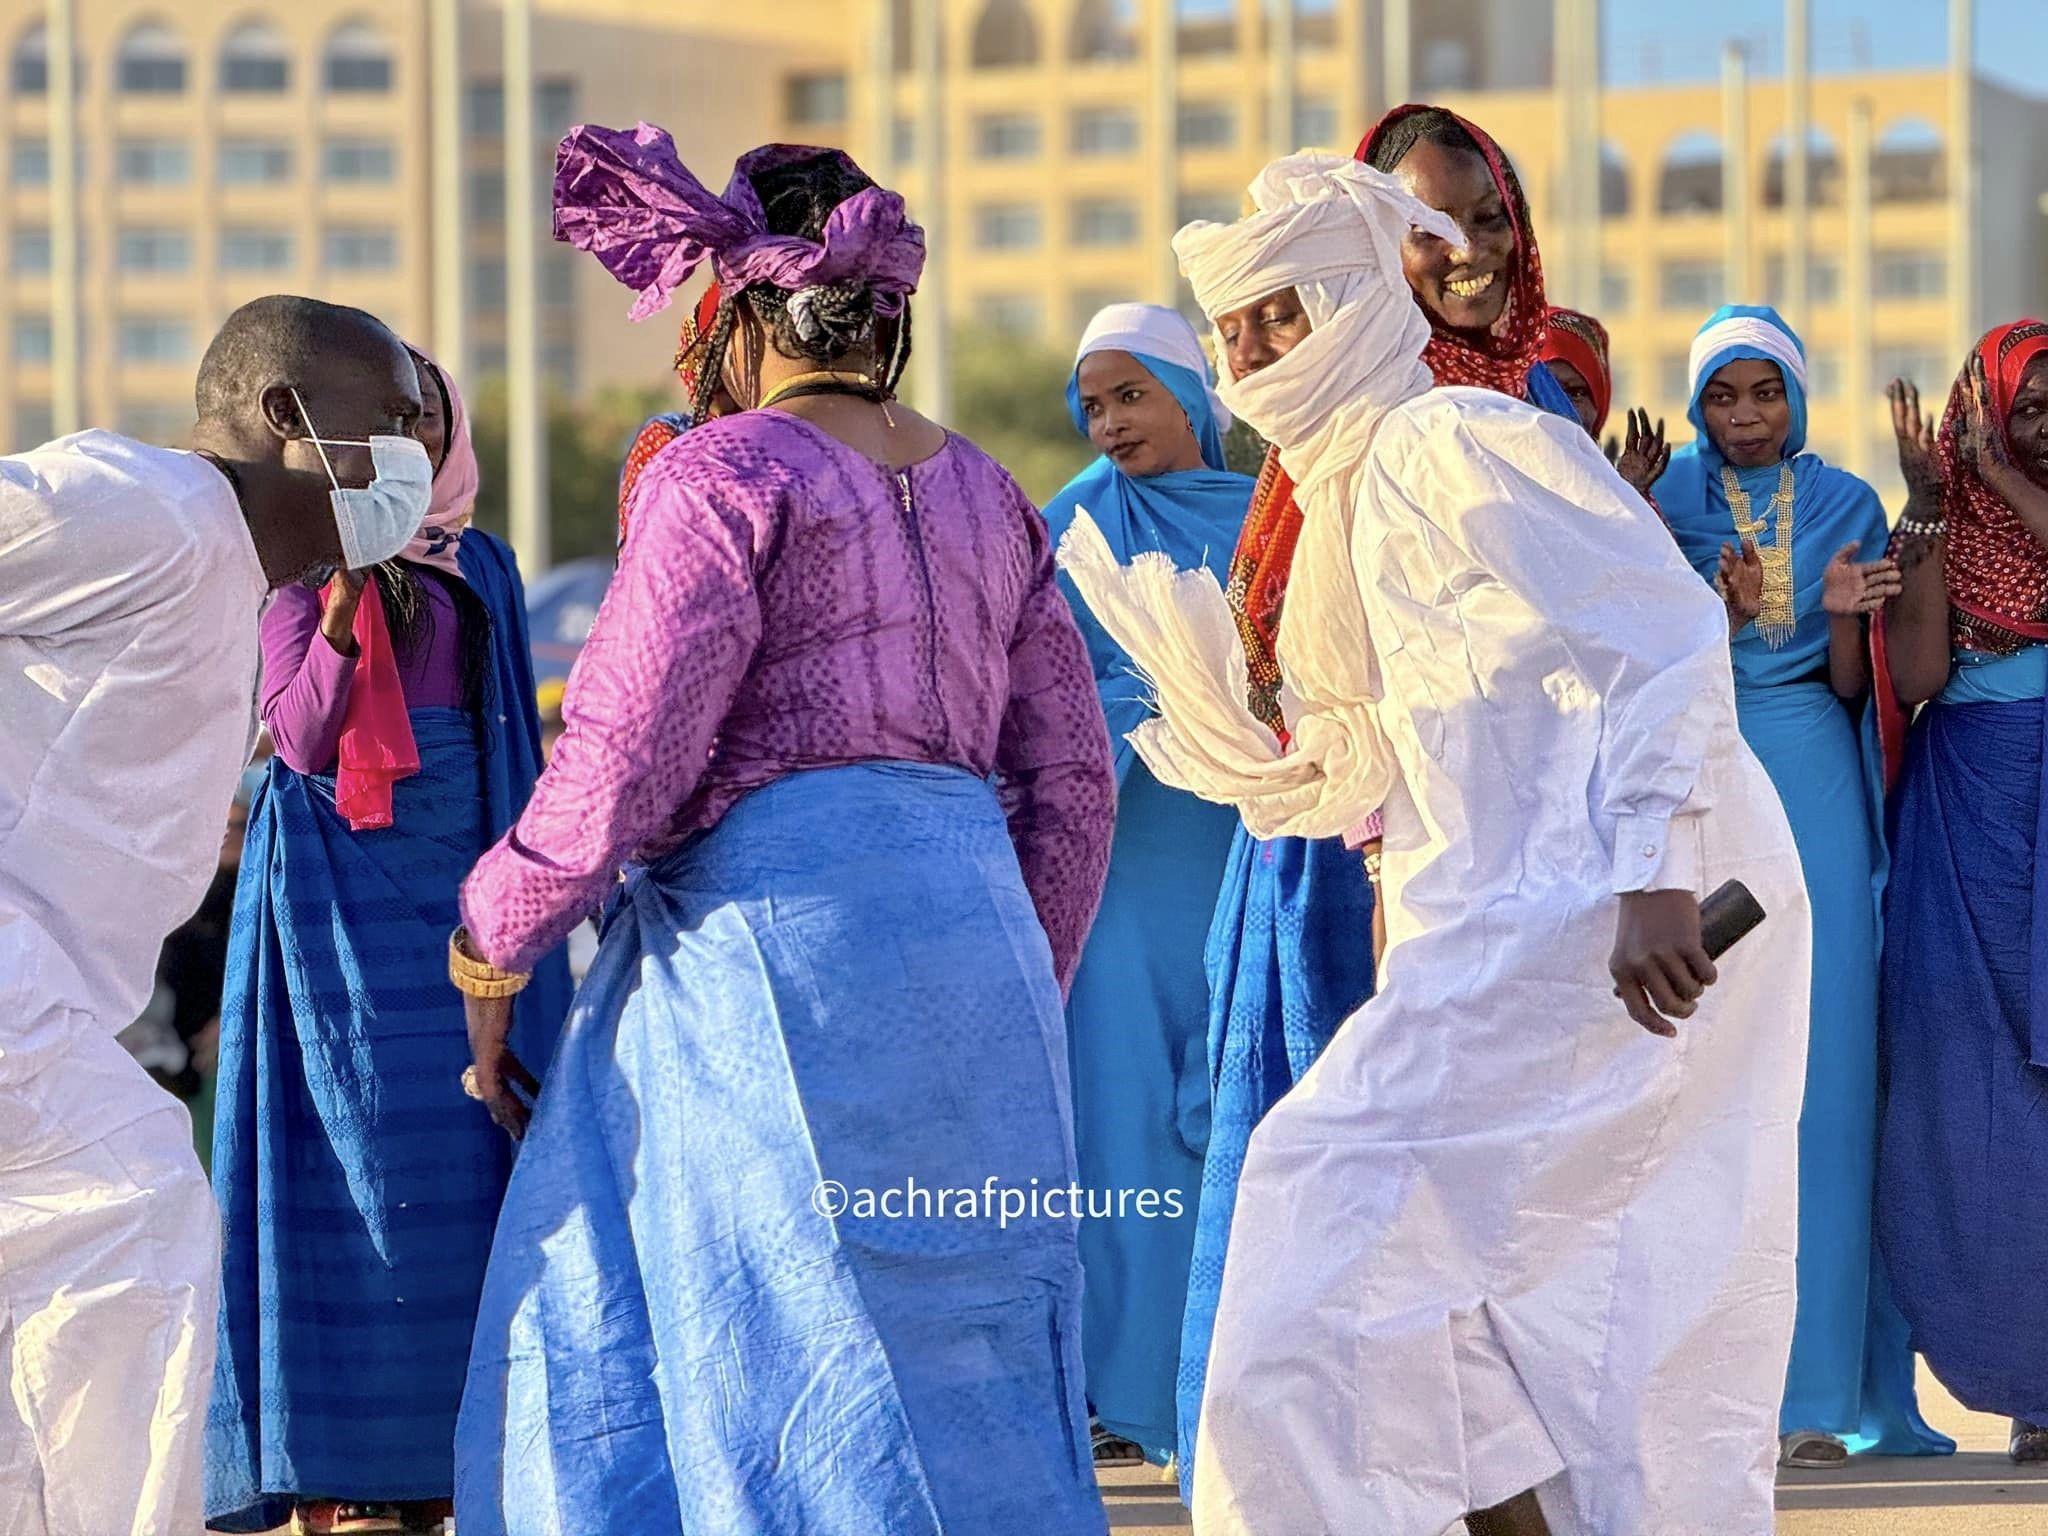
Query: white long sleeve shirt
{"points": [[129, 597]]}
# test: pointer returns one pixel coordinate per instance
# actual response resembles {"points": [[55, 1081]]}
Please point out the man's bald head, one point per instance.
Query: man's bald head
{"points": [[286, 339]]}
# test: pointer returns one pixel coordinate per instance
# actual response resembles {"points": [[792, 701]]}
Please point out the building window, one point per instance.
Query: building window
{"points": [[1917, 363], [360, 250], [903, 141], [1103, 31], [1105, 131], [1690, 285], [1005, 36], [1910, 164], [153, 339], [1616, 292], [151, 61], [1100, 221], [554, 108], [1090, 302], [254, 62], [1207, 125], [1823, 377], [1674, 378], [154, 252], [1315, 122], [1006, 136], [254, 163], [558, 266], [1690, 181], [255, 250], [1621, 378], [1447, 66], [167, 423], [1006, 227], [483, 110], [153, 163], [487, 196], [1013, 314], [28, 163], [487, 285], [1908, 275], [558, 364], [1823, 280], [34, 424], [360, 161], [33, 339], [32, 66], [31, 251], [358, 62], [813, 99], [1209, 207]]}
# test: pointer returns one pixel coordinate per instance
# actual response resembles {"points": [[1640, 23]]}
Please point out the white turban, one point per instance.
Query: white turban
{"points": [[1332, 229]]}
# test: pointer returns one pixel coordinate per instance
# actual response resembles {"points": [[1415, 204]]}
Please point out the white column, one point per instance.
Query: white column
{"points": [[67, 403], [1162, 148], [1575, 80], [526, 414], [1280, 137], [1357, 100], [1857, 384], [1737, 180], [1964, 189], [1798, 178], [444, 108], [1397, 48], [931, 338]]}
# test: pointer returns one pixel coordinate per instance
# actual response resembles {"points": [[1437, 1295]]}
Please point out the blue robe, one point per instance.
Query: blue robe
{"points": [[1964, 1153], [1137, 1015], [1851, 1373], [359, 1187]]}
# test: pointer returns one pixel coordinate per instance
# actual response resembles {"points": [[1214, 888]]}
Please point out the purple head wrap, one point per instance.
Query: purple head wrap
{"points": [[628, 200]]}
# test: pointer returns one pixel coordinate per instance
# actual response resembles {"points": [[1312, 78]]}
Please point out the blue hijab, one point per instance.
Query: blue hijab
{"points": [[1193, 516], [1831, 507]]}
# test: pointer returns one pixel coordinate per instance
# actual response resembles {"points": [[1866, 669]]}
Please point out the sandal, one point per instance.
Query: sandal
{"points": [[1813, 1449], [342, 1517], [1113, 1450], [2029, 1445]]}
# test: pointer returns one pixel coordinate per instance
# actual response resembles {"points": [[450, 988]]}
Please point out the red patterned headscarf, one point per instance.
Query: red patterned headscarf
{"points": [[1997, 571], [1578, 339], [1257, 587]]}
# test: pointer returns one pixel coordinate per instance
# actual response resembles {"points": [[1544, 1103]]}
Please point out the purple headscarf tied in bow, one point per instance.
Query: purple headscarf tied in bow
{"points": [[631, 202]]}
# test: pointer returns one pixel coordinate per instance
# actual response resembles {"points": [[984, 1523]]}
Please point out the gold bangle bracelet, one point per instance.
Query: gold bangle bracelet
{"points": [[470, 986], [476, 976]]}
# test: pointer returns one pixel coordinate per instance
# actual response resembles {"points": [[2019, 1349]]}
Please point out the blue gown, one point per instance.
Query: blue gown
{"points": [[1964, 1153], [358, 1186], [1851, 1372], [1137, 1015]]}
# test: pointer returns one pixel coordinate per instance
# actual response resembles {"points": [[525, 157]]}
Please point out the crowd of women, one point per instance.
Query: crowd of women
{"points": [[844, 766]]}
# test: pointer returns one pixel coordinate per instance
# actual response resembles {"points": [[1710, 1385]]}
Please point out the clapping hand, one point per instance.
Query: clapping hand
{"points": [[1645, 455], [1740, 581], [1915, 434], [1850, 590]]}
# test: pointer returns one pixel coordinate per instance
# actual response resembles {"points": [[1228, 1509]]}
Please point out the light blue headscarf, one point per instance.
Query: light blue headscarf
{"points": [[1831, 507], [1192, 515]]}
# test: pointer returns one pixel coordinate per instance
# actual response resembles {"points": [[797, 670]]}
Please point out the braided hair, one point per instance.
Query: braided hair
{"points": [[832, 319]]}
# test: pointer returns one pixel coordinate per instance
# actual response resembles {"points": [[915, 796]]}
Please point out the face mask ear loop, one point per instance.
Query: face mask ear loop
{"points": [[313, 437]]}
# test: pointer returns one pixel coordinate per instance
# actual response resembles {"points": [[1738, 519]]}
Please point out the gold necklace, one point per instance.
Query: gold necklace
{"points": [[1776, 620], [845, 379]]}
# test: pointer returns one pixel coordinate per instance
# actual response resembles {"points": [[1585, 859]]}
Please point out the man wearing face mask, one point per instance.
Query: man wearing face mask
{"points": [[131, 579]]}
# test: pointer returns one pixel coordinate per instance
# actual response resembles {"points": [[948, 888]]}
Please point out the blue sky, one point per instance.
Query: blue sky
{"points": [[1648, 40]]}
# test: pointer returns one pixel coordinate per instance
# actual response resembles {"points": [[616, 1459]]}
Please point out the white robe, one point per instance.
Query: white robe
{"points": [[129, 596], [1500, 1237]]}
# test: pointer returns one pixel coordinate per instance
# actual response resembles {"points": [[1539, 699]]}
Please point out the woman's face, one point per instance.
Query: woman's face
{"points": [[2026, 425], [1133, 419], [432, 428], [1465, 289], [1747, 412], [1259, 335], [1579, 392]]}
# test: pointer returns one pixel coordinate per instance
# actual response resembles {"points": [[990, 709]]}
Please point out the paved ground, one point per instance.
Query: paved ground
{"points": [[1977, 1492]]}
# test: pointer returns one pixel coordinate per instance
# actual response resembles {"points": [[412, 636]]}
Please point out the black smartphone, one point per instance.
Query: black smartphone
{"points": [[1727, 917]]}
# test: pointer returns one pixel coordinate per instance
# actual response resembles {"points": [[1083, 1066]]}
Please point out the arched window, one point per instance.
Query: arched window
{"points": [[151, 61], [1691, 179], [1909, 163], [358, 60], [1447, 65], [254, 61], [1823, 170], [32, 62], [1005, 36], [1104, 30], [1614, 183], [1205, 27]]}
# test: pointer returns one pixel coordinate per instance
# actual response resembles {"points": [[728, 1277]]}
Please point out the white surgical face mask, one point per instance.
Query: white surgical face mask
{"points": [[377, 521]]}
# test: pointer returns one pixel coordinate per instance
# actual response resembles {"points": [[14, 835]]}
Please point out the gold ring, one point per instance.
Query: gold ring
{"points": [[469, 1084]]}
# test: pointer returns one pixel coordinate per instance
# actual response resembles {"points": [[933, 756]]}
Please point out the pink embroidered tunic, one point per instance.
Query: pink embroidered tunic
{"points": [[785, 603]]}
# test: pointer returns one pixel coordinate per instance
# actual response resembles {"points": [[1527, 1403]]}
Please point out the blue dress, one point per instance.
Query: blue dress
{"points": [[1137, 1014], [358, 1186], [1964, 1153], [1851, 1373]]}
